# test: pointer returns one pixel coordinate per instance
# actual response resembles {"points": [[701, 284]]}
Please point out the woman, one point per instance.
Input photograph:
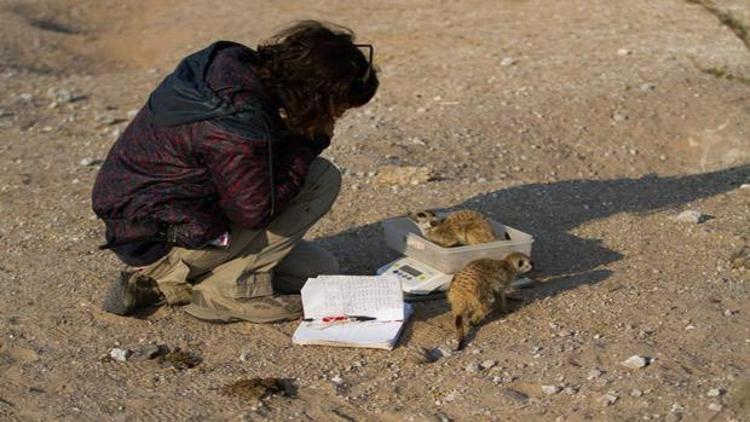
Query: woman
{"points": [[209, 190]]}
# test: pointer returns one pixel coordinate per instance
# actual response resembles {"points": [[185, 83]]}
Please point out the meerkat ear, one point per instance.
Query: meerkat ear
{"points": [[433, 223]]}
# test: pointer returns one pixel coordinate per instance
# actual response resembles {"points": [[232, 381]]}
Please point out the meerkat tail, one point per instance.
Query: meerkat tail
{"points": [[460, 334]]}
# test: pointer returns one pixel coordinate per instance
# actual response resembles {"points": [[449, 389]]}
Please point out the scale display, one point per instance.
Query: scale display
{"points": [[416, 277]]}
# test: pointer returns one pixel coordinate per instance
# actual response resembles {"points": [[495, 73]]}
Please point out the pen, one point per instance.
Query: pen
{"points": [[342, 318]]}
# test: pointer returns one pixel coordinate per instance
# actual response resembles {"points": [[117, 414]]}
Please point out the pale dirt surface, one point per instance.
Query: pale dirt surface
{"points": [[591, 149]]}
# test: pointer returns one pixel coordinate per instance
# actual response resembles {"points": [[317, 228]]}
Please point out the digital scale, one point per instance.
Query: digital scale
{"points": [[418, 278]]}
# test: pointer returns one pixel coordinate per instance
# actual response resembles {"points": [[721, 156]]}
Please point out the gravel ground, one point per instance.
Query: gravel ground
{"points": [[591, 125]]}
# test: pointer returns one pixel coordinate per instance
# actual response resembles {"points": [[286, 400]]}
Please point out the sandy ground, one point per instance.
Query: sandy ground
{"points": [[588, 124]]}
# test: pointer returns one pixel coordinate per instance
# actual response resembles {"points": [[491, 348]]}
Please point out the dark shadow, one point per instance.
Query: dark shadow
{"points": [[549, 211], [146, 312]]}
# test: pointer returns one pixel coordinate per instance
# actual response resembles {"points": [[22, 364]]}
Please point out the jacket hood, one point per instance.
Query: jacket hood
{"points": [[184, 96]]}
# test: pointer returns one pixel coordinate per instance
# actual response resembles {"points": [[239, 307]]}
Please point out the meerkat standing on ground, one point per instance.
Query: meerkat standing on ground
{"points": [[459, 228], [479, 284]]}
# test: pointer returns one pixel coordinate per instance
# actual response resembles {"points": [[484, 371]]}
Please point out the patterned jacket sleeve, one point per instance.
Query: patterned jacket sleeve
{"points": [[240, 171]]}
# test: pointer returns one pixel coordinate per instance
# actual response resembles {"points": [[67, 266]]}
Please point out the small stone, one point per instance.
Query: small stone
{"points": [[107, 119], [504, 379], [488, 364], [729, 312], [25, 96], [515, 395], [716, 407], [636, 393], [648, 86], [507, 61], [421, 110], [337, 380], [419, 355], [570, 390], [623, 52], [473, 368], [619, 116], [636, 362], [550, 389], [85, 162], [675, 413], [120, 355], [441, 352], [608, 399], [153, 351], [565, 333], [715, 392], [691, 216], [593, 374], [406, 175], [450, 397], [148, 352], [132, 113]]}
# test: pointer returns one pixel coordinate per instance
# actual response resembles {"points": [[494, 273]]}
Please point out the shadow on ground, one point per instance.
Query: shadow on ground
{"points": [[549, 212]]}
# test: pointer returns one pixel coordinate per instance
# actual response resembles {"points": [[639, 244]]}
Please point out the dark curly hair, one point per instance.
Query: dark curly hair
{"points": [[317, 72]]}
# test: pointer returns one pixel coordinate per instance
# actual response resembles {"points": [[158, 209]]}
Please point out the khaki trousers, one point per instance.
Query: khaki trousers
{"points": [[257, 262]]}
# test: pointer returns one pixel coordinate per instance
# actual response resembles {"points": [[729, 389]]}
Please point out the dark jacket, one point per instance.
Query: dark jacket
{"points": [[209, 148]]}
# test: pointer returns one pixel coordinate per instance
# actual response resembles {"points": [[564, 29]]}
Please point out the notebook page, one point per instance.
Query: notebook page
{"points": [[374, 296], [375, 334]]}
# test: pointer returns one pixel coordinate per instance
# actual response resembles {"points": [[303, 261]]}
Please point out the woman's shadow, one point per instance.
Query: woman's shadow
{"points": [[549, 212]]}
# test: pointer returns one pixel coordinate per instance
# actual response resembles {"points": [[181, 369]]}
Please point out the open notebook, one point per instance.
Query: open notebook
{"points": [[376, 297]]}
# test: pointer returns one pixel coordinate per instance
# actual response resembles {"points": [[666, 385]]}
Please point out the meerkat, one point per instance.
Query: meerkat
{"points": [[459, 228], [479, 284]]}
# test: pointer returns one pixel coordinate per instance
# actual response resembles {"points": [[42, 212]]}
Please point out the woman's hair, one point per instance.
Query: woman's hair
{"points": [[317, 72]]}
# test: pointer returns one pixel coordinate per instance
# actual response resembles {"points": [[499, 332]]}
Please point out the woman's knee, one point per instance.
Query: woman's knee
{"points": [[325, 178]]}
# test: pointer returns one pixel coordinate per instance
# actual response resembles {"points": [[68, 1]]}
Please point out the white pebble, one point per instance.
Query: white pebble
{"points": [[337, 380], [636, 362], [550, 389], [473, 368], [507, 61], [594, 373], [623, 52], [488, 364], [714, 392], [608, 399], [716, 407], [120, 355], [690, 216]]}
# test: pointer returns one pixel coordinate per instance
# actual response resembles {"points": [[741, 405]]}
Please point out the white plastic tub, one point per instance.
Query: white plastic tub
{"points": [[402, 235]]}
